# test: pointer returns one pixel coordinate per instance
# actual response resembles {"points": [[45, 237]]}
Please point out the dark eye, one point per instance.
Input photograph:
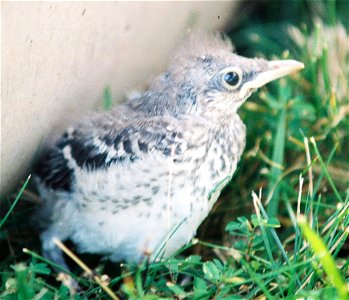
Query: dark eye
{"points": [[231, 78]]}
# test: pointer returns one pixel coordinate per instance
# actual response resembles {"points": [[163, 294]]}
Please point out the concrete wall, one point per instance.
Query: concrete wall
{"points": [[57, 58]]}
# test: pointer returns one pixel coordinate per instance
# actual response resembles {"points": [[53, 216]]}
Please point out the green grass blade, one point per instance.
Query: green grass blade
{"points": [[278, 152], [19, 195], [324, 169], [53, 264], [327, 261], [256, 279], [331, 15]]}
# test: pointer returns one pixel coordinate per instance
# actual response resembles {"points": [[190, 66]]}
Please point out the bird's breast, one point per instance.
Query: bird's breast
{"points": [[216, 157]]}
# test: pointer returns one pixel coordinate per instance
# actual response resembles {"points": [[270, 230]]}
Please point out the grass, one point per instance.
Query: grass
{"points": [[280, 229]]}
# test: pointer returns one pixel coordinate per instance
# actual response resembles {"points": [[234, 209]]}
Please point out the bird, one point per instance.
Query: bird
{"points": [[138, 180]]}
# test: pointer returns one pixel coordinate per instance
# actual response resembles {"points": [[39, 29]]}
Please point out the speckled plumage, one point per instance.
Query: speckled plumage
{"points": [[120, 183]]}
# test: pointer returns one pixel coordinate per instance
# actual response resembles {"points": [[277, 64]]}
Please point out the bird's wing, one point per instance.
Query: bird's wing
{"points": [[102, 147]]}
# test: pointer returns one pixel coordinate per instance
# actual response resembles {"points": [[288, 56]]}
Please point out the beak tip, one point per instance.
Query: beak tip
{"points": [[290, 64], [300, 65]]}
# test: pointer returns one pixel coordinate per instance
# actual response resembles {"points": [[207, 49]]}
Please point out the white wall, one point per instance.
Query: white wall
{"points": [[57, 57]]}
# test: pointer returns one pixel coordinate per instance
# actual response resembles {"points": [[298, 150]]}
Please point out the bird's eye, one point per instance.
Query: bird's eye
{"points": [[231, 78]]}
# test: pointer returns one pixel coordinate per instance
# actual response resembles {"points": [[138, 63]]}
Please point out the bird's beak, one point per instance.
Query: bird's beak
{"points": [[275, 70]]}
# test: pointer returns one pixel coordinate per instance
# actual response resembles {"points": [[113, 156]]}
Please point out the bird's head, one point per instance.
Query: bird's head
{"points": [[206, 77]]}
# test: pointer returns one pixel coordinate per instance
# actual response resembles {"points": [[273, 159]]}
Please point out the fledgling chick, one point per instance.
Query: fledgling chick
{"points": [[140, 179]]}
